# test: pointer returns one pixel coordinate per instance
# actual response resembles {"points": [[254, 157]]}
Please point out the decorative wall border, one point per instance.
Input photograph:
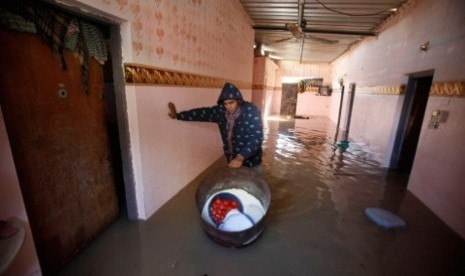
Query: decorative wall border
{"points": [[139, 74], [438, 88], [448, 88], [263, 87], [383, 90], [259, 87], [148, 75], [312, 89]]}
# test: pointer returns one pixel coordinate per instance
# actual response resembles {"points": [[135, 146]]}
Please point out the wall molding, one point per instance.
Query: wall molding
{"points": [[448, 88], [139, 74], [264, 87], [383, 90], [260, 87], [438, 88]]}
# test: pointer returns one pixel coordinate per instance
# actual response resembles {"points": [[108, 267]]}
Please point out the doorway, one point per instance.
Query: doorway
{"points": [[63, 133], [411, 120], [289, 99]]}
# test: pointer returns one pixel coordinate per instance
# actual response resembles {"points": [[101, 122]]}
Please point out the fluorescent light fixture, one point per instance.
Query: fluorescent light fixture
{"points": [[266, 48], [289, 79], [274, 57]]}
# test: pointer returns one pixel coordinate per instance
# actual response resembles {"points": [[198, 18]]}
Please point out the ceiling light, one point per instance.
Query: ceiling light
{"points": [[266, 48], [274, 57]]}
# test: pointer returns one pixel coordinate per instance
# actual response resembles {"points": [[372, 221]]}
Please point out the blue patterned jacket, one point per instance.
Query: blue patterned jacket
{"points": [[248, 129]]}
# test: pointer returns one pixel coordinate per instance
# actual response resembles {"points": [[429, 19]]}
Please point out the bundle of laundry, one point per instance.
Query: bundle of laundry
{"points": [[59, 30]]}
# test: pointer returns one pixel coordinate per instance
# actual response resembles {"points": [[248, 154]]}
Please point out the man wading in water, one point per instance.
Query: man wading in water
{"points": [[240, 126]]}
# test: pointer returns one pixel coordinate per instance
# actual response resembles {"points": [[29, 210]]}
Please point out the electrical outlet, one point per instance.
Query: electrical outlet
{"points": [[435, 119]]}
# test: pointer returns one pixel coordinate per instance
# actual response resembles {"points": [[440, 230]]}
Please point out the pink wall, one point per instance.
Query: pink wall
{"points": [[208, 37], [173, 152], [308, 103], [384, 61], [373, 122], [211, 38], [267, 86], [438, 174], [12, 207], [259, 82], [306, 70]]}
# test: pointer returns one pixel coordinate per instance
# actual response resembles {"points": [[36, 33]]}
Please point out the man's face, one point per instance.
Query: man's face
{"points": [[231, 105]]}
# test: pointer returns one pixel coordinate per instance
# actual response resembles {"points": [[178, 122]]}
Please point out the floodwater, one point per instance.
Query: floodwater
{"points": [[315, 224]]}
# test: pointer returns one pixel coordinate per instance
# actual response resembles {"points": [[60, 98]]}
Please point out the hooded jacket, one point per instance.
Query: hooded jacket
{"points": [[247, 135]]}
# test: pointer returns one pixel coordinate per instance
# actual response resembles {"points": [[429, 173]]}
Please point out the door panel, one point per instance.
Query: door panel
{"points": [[289, 99], [60, 145]]}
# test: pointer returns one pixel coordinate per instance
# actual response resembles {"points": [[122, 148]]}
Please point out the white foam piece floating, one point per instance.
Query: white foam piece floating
{"points": [[253, 211], [384, 218]]}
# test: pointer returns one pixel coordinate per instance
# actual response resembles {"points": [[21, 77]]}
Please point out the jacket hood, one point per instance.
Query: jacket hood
{"points": [[229, 91]]}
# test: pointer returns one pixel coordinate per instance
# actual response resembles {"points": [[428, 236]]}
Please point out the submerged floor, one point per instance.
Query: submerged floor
{"points": [[315, 224]]}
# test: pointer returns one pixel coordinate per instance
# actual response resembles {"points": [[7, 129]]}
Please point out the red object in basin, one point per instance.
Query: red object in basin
{"points": [[220, 206]]}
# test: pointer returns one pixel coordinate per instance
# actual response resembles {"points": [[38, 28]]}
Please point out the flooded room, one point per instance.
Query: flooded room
{"points": [[232, 137]]}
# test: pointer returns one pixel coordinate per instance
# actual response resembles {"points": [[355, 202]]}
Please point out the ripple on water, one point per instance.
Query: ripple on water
{"points": [[306, 165]]}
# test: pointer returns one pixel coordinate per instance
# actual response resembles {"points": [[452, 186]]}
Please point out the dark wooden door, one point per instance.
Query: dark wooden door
{"points": [[60, 146]]}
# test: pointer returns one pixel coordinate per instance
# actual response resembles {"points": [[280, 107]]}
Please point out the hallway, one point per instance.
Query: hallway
{"points": [[315, 225]]}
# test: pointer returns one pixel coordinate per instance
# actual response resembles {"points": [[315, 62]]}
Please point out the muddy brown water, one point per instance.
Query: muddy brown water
{"points": [[315, 224]]}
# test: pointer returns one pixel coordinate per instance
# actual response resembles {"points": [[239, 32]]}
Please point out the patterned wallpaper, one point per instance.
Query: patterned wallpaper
{"points": [[208, 37]]}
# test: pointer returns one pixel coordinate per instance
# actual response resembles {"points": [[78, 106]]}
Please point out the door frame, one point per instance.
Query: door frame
{"points": [[119, 41], [409, 100], [117, 33]]}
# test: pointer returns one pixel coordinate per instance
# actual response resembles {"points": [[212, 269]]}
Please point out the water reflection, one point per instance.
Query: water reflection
{"points": [[319, 192], [315, 225], [307, 169], [310, 142]]}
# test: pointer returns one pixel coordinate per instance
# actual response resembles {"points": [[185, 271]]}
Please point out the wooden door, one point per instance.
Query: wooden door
{"points": [[289, 99], [60, 146]]}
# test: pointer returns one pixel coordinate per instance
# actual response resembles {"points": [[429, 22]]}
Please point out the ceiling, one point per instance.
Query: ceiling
{"points": [[315, 31]]}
